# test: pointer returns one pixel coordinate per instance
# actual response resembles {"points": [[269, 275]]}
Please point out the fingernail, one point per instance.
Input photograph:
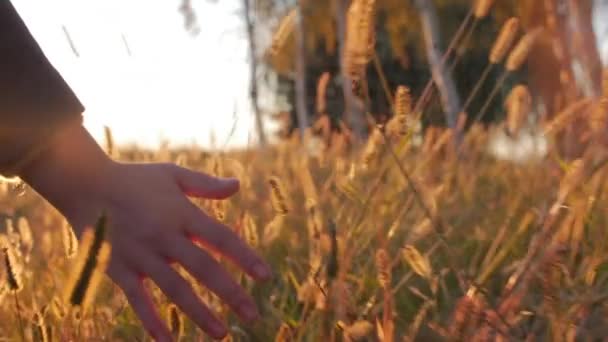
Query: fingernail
{"points": [[262, 271], [249, 312]]}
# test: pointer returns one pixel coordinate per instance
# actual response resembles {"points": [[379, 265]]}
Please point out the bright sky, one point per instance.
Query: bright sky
{"points": [[174, 86]]}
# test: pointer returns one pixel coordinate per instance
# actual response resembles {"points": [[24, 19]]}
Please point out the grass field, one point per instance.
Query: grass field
{"points": [[472, 247], [406, 236]]}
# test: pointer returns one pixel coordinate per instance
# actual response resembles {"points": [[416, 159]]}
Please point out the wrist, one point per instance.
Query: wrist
{"points": [[72, 168]]}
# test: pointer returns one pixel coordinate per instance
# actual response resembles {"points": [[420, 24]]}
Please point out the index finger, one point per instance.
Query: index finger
{"points": [[220, 238]]}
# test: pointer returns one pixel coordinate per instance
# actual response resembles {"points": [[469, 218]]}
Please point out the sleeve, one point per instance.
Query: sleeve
{"points": [[35, 101]]}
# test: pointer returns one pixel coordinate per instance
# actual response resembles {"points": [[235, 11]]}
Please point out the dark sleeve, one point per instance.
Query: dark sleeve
{"points": [[35, 101]]}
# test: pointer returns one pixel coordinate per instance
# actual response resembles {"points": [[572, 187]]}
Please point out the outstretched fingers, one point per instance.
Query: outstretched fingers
{"points": [[179, 291], [197, 184], [223, 240], [213, 276], [141, 302]]}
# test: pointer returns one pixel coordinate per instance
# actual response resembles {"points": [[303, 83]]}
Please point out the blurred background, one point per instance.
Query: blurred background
{"points": [[182, 71]]}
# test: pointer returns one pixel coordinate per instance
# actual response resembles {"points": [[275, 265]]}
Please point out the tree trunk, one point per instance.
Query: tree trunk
{"points": [[450, 100], [353, 111], [301, 108], [253, 86]]}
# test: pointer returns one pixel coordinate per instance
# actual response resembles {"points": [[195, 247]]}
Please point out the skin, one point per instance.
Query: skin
{"points": [[153, 225]]}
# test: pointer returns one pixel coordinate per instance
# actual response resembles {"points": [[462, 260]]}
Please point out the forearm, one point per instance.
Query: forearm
{"points": [[71, 167], [35, 101]]}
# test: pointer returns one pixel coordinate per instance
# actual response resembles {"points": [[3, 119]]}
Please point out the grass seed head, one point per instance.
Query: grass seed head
{"points": [[322, 86], [419, 263], [250, 231], [505, 40], [283, 33], [383, 267], [519, 105], [278, 196], [482, 8], [360, 37], [174, 321], [90, 265], [70, 242], [11, 265], [520, 53]]}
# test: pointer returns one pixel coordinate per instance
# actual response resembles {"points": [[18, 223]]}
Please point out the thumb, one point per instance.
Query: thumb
{"points": [[197, 184]]}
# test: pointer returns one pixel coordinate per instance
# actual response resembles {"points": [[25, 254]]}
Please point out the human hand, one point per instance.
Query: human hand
{"points": [[153, 224]]}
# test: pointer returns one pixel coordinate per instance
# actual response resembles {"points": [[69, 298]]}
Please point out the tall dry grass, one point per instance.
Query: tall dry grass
{"points": [[407, 237]]}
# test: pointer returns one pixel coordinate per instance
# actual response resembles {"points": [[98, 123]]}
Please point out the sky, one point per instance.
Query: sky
{"points": [[174, 86]]}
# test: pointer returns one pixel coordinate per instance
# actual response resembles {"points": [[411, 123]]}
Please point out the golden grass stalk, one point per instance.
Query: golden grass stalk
{"points": [[457, 39], [283, 334], [373, 147], [3, 291], [175, 322], [482, 8], [383, 268], [40, 328], [9, 227], [322, 86], [520, 53], [308, 184], [273, 229], [500, 48], [599, 117], [516, 58], [91, 262], [519, 105], [70, 242], [418, 320], [250, 231], [403, 102], [218, 208], [314, 220], [385, 329], [25, 234], [278, 196], [492, 266], [358, 331], [109, 140], [58, 308], [399, 124], [419, 263], [566, 116], [573, 178], [11, 265], [360, 37], [283, 33], [505, 40]]}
